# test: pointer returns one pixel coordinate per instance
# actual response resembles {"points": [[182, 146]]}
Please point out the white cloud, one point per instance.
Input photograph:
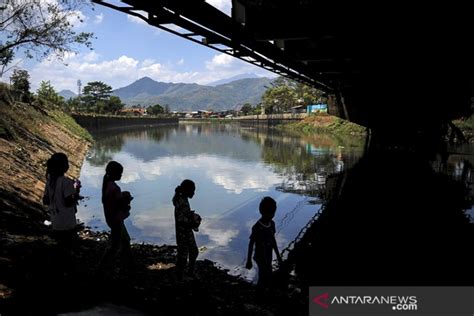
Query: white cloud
{"points": [[218, 235], [220, 61], [137, 20], [98, 18], [92, 56], [223, 5], [124, 70], [230, 174], [147, 62], [130, 176], [224, 66], [77, 19], [63, 75], [234, 178]]}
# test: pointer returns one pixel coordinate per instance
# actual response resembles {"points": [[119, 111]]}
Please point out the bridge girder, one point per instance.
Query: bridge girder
{"points": [[385, 68]]}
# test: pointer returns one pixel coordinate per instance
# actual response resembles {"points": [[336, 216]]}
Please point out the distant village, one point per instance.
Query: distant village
{"points": [[142, 111]]}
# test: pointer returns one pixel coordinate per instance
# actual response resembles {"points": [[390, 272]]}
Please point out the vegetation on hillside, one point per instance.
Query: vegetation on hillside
{"points": [[183, 96], [31, 116], [29, 134], [325, 124]]}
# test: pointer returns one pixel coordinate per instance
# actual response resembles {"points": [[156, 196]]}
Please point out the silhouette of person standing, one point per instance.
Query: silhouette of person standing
{"points": [[183, 215], [116, 209], [61, 195], [263, 238]]}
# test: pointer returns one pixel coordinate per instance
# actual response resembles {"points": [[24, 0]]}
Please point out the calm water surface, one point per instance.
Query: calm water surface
{"points": [[233, 168]]}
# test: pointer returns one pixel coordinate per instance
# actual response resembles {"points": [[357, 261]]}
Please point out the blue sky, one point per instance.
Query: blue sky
{"points": [[127, 49]]}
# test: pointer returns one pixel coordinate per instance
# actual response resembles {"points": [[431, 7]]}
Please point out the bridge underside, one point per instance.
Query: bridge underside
{"points": [[397, 69]]}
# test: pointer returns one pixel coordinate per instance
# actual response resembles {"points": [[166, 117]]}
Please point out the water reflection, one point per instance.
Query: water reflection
{"points": [[233, 168]]}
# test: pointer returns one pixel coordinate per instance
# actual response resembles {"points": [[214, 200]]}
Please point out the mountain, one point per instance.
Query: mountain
{"points": [[143, 87], [67, 94], [234, 78], [191, 96]]}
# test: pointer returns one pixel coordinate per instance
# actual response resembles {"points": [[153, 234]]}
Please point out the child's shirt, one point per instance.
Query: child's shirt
{"points": [[264, 238], [62, 217], [182, 213], [115, 208]]}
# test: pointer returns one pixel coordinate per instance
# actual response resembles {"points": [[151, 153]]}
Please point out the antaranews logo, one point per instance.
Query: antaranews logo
{"points": [[397, 303], [385, 300], [322, 300]]}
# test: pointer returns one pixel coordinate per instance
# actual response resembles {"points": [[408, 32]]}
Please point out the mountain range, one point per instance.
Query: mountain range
{"points": [[234, 78], [67, 94], [191, 96]]}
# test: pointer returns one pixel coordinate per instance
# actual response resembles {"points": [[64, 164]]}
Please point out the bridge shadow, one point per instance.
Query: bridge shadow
{"points": [[390, 220]]}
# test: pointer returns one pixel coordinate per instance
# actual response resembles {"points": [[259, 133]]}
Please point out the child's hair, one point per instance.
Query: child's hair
{"points": [[185, 186], [267, 206], [56, 166], [111, 171]]}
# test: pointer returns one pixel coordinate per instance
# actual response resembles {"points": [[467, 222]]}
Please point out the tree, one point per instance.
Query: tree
{"points": [[246, 108], [257, 110], [72, 104], [286, 93], [39, 28], [278, 99], [20, 80], [307, 94], [155, 109], [47, 92], [94, 92], [114, 104]]}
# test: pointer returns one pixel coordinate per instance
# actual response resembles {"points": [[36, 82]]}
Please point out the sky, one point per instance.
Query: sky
{"points": [[127, 48]]}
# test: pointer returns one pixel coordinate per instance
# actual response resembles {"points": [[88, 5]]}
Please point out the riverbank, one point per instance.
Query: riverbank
{"points": [[36, 277], [322, 123], [29, 134], [94, 122], [341, 132]]}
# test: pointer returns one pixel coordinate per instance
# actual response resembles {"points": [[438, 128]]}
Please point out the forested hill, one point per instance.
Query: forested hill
{"points": [[191, 96]]}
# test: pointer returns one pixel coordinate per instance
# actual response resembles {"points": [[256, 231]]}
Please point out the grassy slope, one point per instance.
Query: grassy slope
{"points": [[326, 124], [29, 134]]}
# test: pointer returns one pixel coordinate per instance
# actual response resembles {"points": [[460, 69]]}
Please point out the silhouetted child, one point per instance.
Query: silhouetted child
{"points": [[116, 209], [61, 195], [263, 238], [186, 221]]}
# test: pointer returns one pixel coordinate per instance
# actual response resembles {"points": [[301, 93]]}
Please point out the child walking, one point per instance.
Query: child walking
{"points": [[116, 209], [263, 239]]}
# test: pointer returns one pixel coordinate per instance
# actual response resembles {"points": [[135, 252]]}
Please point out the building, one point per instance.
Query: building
{"points": [[133, 111], [315, 108]]}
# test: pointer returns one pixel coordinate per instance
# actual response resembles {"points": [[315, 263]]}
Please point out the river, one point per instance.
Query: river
{"points": [[233, 167]]}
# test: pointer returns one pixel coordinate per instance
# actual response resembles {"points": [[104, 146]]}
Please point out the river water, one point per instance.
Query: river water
{"points": [[233, 167]]}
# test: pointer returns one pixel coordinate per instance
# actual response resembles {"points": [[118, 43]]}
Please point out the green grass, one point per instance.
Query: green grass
{"points": [[16, 115], [68, 122], [324, 124]]}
